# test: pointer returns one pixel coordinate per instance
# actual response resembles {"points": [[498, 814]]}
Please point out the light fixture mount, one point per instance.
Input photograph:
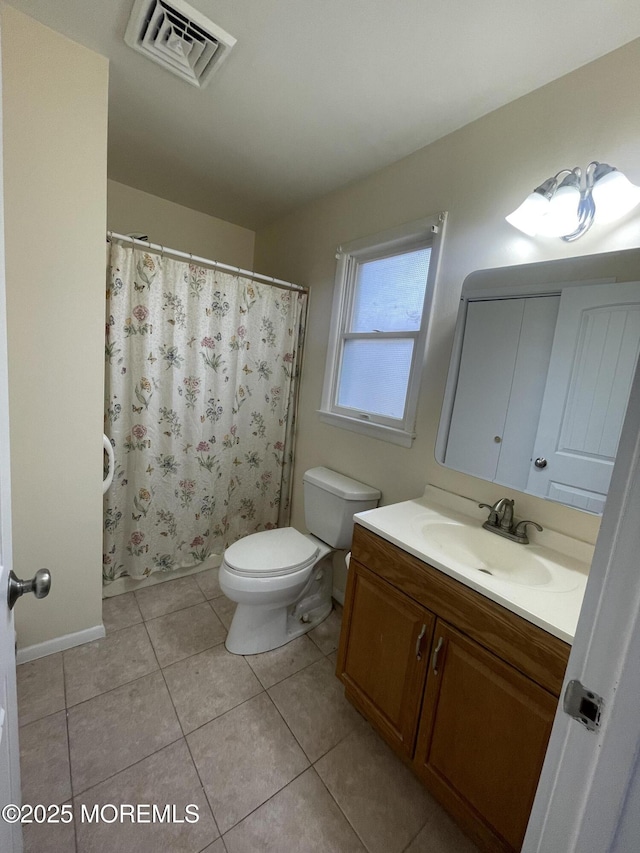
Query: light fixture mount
{"points": [[568, 206]]}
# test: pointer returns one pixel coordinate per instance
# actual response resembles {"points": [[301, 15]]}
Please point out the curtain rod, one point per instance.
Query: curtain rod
{"points": [[163, 250]]}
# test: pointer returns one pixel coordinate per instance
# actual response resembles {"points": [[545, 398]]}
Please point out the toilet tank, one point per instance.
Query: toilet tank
{"points": [[330, 502]]}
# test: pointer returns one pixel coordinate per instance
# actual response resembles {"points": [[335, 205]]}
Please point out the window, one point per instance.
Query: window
{"points": [[383, 292]]}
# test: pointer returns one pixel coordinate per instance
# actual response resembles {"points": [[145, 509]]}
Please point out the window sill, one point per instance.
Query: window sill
{"points": [[391, 434]]}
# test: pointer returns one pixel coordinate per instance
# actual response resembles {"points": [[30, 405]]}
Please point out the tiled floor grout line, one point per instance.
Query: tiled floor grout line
{"points": [[38, 719], [136, 591], [111, 631], [275, 794], [228, 711], [138, 677], [195, 766], [289, 730], [187, 657], [111, 689], [184, 737], [404, 849], [122, 769], [204, 790], [186, 743], [161, 584], [220, 839], [175, 710], [312, 765], [342, 812], [291, 674], [182, 609], [66, 720]]}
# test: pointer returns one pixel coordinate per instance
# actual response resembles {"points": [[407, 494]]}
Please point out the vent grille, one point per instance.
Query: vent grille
{"points": [[178, 37]]}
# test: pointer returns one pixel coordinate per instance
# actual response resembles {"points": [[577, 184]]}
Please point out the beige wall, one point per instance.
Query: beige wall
{"points": [[54, 138], [479, 174], [132, 211]]}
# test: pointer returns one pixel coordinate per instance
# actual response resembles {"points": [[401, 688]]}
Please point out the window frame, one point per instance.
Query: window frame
{"points": [[422, 233]]}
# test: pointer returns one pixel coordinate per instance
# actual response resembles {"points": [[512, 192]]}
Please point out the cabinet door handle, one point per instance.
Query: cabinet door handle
{"points": [[419, 642], [434, 658]]}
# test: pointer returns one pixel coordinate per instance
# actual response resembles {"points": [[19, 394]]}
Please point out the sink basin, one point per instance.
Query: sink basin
{"points": [[543, 582], [477, 550]]}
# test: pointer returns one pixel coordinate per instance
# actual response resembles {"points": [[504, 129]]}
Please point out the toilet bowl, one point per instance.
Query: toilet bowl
{"points": [[282, 579]]}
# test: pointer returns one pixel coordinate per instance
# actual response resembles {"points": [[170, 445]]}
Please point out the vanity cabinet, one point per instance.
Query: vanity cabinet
{"points": [[461, 688], [483, 734], [385, 663]]}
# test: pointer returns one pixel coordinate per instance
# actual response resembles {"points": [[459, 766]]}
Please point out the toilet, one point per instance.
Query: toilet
{"points": [[282, 579]]}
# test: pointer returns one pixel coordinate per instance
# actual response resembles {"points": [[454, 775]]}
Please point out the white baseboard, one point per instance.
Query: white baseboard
{"points": [[338, 595], [59, 644]]}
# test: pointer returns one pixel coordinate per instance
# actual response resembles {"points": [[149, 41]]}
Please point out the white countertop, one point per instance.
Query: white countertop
{"points": [[553, 602]]}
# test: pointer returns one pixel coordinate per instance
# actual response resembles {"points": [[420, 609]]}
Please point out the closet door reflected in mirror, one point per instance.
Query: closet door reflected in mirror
{"points": [[540, 377], [505, 358], [593, 359]]}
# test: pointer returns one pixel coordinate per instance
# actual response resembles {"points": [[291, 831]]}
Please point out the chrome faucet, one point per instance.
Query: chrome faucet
{"points": [[501, 521]]}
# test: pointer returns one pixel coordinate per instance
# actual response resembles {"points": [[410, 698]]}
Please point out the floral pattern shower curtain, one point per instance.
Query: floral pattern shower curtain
{"points": [[201, 381]]}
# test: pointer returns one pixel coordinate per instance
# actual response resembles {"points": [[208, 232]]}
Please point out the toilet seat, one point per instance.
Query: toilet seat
{"points": [[271, 553]]}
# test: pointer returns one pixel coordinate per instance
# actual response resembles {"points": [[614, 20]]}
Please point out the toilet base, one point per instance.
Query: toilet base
{"points": [[256, 629]]}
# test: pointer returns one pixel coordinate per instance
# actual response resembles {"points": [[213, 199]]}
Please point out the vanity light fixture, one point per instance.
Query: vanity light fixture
{"points": [[568, 204]]}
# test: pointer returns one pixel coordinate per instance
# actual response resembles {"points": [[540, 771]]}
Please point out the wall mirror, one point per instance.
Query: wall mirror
{"points": [[543, 359]]}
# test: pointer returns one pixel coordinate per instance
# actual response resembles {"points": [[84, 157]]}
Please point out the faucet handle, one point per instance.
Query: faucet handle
{"points": [[493, 512], [494, 507], [520, 530]]}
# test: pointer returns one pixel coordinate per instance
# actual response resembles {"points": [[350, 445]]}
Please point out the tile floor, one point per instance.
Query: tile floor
{"points": [[266, 746]]}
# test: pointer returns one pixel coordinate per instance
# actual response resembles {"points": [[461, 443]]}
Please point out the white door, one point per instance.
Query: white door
{"points": [[588, 798], [10, 833], [595, 350]]}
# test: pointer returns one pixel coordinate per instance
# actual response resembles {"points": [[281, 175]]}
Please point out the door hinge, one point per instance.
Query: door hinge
{"points": [[583, 705]]}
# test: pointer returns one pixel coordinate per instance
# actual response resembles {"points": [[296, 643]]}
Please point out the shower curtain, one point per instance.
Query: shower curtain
{"points": [[201, 382]]}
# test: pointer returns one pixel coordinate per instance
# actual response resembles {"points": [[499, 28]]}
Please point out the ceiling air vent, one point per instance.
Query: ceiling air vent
{"points": [[178, 37]]}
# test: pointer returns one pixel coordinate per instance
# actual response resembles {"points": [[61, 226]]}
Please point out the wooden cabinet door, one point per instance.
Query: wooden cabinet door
{"points": [[383, 656], [483, 735]]}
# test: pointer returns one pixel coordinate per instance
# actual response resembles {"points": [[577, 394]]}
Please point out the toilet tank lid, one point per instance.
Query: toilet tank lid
{"points": [[338, 484]]}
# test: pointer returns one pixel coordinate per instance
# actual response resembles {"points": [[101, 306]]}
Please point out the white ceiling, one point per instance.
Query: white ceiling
{"points": [[319, 93]]}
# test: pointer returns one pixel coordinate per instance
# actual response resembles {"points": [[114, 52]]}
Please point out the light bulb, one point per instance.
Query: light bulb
{"points": [[614, 195], [527, 217], [562, 214]]}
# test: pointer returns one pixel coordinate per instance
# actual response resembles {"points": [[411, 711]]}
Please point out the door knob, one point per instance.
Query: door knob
{"points": [[540, 462], [39, 585]]}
